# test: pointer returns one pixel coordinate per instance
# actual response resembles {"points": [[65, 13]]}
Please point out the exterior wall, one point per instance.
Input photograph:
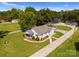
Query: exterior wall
{"points": [[40, 37], [44, 35]]}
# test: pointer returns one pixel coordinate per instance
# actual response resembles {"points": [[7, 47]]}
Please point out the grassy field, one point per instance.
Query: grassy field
{"points": [[16, 46], [9, 27], [57, 34], [67, 48], [63, 27]]}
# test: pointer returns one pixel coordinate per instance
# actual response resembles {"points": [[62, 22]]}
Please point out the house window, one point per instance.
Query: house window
{"points": [[28, 35]]}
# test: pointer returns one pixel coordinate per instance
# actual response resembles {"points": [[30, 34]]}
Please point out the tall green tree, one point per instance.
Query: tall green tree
{"points": [[14, 13], [44, 16], [27, 20], [30, 9]]}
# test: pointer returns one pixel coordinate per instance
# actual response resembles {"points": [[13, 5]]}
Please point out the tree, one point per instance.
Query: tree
{"points": [[70, 15], [27, 20], [44, 16], [5, 18], [14, 13], [30, 9], [40, 19], [5, 15]]}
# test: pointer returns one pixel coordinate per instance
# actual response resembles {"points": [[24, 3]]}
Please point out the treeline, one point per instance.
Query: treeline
{"points": [[30, 17], [9, 15]]}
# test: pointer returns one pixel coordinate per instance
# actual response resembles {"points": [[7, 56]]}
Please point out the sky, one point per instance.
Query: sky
{"points": [[56, 6]]}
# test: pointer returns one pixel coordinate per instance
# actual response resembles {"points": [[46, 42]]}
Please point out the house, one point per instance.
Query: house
{"points": [[39, 32], [5, 19], [55, 20], [15, 20]]}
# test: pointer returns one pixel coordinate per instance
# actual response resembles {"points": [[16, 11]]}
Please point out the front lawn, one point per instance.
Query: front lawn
{"points": [[61, 27], [67, 49], [9, 27], [14, 45], [57, 34]]}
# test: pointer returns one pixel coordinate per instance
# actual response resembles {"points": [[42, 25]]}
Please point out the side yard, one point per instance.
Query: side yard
{"points": [[68, 48]]}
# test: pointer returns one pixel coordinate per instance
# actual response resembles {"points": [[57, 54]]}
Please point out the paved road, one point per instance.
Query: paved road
{"points": [[49, 48]]}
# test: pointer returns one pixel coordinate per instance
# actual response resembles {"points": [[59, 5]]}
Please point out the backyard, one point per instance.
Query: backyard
{"points": [[67, 48]]}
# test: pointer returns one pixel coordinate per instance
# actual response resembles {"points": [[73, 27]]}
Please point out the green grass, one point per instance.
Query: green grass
{"points": [[57, 34], [67, 48], [63, 27], [16, 46], [9, 27]]}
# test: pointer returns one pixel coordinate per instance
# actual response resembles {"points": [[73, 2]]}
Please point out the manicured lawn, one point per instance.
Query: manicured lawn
{"points": [[57, 34], [68, 47], [9, 27], [63, 27], [16, 46]]}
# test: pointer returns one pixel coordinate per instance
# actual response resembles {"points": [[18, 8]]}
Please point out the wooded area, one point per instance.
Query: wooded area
{"points": [[30, 17]]}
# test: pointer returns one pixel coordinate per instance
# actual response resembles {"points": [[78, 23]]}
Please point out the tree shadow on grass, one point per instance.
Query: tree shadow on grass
{"points": [[3, 33], [77, 46]]}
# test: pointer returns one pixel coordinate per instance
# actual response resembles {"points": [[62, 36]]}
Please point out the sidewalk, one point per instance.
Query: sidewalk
{"points": [[11, 33], [14, 32], [49, 48]]}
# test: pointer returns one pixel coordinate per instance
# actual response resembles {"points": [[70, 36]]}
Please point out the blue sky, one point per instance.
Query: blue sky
{"points": [[56, 6]]}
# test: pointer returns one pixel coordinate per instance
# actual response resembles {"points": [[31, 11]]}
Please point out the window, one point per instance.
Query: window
{"points": [[28, 35]]}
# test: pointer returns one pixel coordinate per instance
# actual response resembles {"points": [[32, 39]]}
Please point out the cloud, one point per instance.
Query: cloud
{"points": [[66, 5], [8, 4], [11, 5], [55, 8]]}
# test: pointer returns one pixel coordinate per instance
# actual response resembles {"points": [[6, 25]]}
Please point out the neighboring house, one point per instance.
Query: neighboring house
{"points": [[6, 19], [15, 20], [39, 32], [55, 20]]}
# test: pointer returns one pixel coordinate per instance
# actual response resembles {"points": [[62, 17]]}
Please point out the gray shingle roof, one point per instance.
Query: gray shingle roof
{"points": [[30, 32], [40, 29]]}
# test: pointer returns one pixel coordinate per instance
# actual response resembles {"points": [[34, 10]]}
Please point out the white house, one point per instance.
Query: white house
{"points": [[40, 32], [15, 20]]}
